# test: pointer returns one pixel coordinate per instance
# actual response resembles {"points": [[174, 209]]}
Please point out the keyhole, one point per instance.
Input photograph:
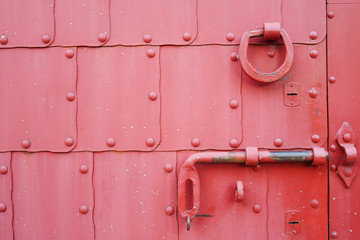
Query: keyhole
{"points": [[294, 222]]}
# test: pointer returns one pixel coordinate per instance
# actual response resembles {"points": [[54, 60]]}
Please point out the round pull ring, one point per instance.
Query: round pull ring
{"points": [[256, 74]]}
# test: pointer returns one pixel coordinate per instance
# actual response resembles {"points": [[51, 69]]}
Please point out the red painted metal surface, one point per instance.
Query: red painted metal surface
{"points": [[135, 195], [119, 98], [6, 204], [264, 113], [84, 23], [101, 101], [26, 23], [201, 106], [153, 22], [224, 22], [344, 102], [53, 195], [34, 87]]}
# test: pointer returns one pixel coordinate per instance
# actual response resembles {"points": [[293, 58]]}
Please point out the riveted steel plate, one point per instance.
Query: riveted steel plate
{"points": [[266, 118], [48, 192], [84, 23], [344, 99], [220, 216], [6, 209], [217, 18], [135, 197], [297, 201], [26, 23], [166, 22], [119, 99], [201, 101], [34, 84]]}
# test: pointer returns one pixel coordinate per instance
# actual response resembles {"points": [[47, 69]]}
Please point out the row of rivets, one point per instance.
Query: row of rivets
{"points": [[147, 38], [278, 142], [169, 210], [26, 143], [110, 142]]}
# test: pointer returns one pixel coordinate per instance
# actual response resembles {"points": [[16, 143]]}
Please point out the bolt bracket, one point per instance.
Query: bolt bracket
{"points": [[346, 138]]}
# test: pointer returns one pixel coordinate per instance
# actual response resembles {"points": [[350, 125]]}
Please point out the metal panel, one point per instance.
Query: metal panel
{"points": [[298, 190], [268, 122], [26, 23], [201, 101], [84, 23], [344, 98], [220, 216], [6, 208], [119, 102], [135, 195], [37, 91], [224, 22], [53, 195], [155, 22]]}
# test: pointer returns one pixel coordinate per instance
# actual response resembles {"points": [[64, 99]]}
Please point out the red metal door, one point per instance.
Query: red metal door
{"points": [[185, 119]]}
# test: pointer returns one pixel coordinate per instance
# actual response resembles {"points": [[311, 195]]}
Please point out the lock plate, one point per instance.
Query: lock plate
{"points": [[293, 222], [291, 94]]}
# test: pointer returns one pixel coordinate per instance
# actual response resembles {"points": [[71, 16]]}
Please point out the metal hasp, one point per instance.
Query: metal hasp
{"points": [[346, 138], [252, 156], [272, 32]]}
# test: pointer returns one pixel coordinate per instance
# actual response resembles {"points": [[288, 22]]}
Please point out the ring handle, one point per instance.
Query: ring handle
{"points": [[256, 74]]}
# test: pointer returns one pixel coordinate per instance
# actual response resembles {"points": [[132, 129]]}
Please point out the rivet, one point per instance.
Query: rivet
{"points": [[315, 203], [234, 104], [314, 53], [46, 38], [256, 168], [271, 53], [315, 138], [69, 141], [147, 38], [294, 231], [293, 213], [83, 209], [334, 234], [150, 142], [3, 169], [102, 37], [84, 169], [333, 148], [152, 96], [195, 142], [347, 137], [333, 167], [70, 96], [234, 143], [348, 171], [187, 36], [150, 53], [168, 167], [230, 37], [278, 142], [234, 56], [26, 143], [313, 93], [169, 210], [110, 142], [257, 208], [332, 79], [313, 35], [2, 207], [69, 53], [3, 40], [331, 14]]}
